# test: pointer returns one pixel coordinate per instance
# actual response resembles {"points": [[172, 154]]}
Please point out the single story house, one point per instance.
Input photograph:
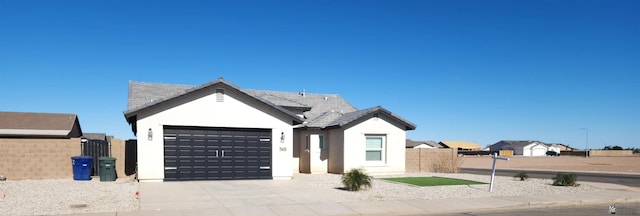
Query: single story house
{"points": [[422, 144], [524, 147], [41, 125], [563, 147], [38, 145], [221, 131], [468, 146]]}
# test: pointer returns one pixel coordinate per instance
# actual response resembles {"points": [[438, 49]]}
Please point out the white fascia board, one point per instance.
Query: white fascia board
{"points": [[34, 132]]}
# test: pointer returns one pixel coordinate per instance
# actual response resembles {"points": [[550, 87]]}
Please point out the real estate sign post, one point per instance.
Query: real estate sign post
{"points": [[493, 169]]}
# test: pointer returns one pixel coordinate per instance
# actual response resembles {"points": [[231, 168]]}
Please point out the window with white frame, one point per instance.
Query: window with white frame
{"points": [[375, 148]]}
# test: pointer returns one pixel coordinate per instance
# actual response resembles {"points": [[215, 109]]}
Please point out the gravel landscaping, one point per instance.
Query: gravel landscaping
{"points": [[65, 196], [503, 186]]}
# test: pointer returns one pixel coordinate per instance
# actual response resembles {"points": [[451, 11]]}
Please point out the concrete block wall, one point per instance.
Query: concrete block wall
{"points": [[48, 158], [37, 158], [610, 153], [422, 159]]}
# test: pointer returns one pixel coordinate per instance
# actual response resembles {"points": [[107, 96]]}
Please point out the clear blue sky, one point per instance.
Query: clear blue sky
{"points": [[478, 71]]}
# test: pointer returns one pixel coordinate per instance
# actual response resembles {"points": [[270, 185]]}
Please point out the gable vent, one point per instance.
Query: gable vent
{"points": [[219, 95]]}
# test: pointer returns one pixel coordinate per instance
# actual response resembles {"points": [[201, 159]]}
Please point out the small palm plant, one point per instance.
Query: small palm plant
{"points": [[355, 179], [522, 175], [565, 179]]}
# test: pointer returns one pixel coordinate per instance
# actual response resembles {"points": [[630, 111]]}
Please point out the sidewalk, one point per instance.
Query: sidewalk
{"points": [[231, 198]]}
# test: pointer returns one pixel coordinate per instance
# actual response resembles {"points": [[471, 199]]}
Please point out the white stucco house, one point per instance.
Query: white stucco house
{"points": [[220, 131], [526, 148], [422, 144]]}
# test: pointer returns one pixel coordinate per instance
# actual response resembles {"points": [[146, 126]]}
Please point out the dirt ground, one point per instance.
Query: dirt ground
{"points": [[562, 163]]}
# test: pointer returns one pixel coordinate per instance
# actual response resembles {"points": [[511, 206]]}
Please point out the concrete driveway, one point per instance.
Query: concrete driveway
{"points": [[241, 197], [303, 197]]}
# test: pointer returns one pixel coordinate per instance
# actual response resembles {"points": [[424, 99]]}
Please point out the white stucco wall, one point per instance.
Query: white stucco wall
{"points": [[424, 146], [354, 147], [201, 109], [534, 150], [318, 157], [553, 148]]}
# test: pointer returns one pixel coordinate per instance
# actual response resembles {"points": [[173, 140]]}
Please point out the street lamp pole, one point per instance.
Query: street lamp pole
{"points": [[586, 148]]}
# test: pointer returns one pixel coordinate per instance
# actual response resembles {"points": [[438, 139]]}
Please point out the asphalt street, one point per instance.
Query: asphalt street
{"points": [[622, 179], [585, 210]]}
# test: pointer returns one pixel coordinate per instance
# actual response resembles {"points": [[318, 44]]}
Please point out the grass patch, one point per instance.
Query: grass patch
{"points": [[432, 181]]}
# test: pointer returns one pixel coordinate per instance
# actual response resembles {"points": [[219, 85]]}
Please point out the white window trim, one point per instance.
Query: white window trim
{"points": [[383, 150]]}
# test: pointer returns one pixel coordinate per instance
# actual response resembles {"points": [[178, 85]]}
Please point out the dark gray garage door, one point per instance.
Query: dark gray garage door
{"points": [[196, 153]]}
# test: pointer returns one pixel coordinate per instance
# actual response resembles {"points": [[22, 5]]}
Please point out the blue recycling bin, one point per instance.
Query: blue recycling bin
{"points": [[81, 167]]}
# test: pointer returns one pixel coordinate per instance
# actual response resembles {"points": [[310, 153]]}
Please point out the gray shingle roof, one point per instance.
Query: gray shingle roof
{"points": [[95, 136], [352, 116], [324, 108], [320, 110], [151, 94], [143, 93]]}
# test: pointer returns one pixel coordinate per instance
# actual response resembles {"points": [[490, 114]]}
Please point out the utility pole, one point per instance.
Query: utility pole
{"points": [[586, 145]]}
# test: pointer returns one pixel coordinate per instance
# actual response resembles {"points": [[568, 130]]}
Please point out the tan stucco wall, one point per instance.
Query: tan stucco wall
{"points": [[336, 151], [201, 109], [117, 151], [37, 158], [422, 160]]}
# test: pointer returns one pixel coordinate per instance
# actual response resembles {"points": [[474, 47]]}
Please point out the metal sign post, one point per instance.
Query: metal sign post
{"points": [[493, 169]]}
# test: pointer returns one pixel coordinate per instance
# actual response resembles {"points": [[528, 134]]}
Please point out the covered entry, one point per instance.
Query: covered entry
{"points": [[204, 153]]}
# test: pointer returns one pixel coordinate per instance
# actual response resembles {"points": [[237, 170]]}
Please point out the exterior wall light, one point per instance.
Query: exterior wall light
{"points": [[282, 137], [150, 135]]}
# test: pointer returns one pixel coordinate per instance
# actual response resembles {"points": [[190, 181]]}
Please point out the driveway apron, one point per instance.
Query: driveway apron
{"points": [[241, 197]]}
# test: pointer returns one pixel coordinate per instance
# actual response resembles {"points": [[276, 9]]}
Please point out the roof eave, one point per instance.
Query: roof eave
{"points": [[131, 113]]}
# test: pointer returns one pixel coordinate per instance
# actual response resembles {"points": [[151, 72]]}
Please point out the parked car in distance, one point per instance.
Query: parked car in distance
{"points": [[553, 153]]}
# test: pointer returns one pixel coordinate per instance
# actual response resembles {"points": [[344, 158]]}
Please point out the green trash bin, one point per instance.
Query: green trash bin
{"points": [[107, 168]]}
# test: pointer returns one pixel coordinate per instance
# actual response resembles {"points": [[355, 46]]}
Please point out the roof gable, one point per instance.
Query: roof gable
{"points": [[147, 95], [349, 118], [23, 124]]}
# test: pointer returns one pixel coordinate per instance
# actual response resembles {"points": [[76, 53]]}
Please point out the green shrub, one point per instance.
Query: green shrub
{"points": [[522, 175], [355, 179], [565, 179]]}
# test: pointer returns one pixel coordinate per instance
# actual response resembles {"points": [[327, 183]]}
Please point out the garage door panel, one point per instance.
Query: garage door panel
{"points": [[216, 153]]}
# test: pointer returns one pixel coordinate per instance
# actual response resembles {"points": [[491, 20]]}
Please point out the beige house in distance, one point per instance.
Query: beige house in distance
{"points": [[461, 145], [220, 131]]}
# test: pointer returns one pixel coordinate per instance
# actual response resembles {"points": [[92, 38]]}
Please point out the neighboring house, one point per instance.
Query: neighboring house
{"points": [[524, 147], [422, 144], [95, 136], [553, 147], [221, 131], [40, 125], [468, 146], [564, 147], [38, 145]]}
